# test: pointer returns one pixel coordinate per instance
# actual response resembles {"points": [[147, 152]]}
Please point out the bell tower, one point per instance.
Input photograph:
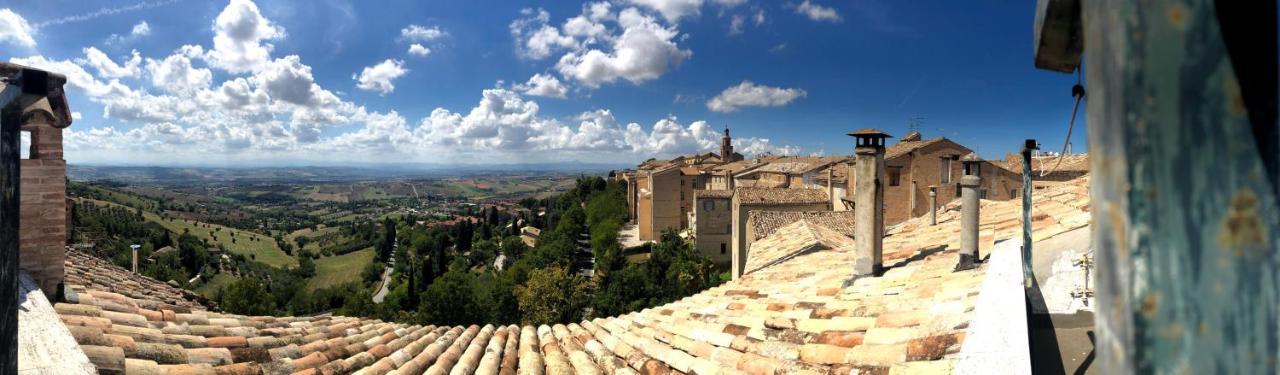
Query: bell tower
{"points": [[726, 147]]}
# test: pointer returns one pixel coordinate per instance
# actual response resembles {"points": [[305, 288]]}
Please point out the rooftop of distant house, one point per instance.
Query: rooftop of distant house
{"points": [[765, 223], [755, 195]]}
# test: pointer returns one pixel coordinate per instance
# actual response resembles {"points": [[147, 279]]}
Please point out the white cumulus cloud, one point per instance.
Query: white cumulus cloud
{"points": [[543, 85], [644, 51], [15, 29], [419, 50], [421, 33], [818, 12], [240, 32], [378, 77], [673, 10], [749, 94], [110, 69]]}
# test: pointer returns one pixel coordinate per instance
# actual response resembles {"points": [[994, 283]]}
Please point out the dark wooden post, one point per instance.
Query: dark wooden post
{"points": [[1186, 230], [1027, 188], [10, 123]]}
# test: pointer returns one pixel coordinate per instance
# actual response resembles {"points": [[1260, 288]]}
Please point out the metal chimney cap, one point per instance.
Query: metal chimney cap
{"points": [[869, 133]]}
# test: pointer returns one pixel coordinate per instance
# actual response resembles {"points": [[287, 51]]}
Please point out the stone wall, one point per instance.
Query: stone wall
{"points": [[713, 232], [43, 218]]}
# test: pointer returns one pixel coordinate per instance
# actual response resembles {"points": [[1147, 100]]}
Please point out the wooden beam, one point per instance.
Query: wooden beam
{"points": [[10, 122]]}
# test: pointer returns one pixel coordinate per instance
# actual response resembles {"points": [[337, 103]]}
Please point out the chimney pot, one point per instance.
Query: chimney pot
{"points": [[868, 172], [933, 204], [968, 222], [135, 257]]}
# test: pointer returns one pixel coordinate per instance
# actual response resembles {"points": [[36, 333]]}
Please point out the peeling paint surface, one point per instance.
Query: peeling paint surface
{"points": [[1186, 241]]}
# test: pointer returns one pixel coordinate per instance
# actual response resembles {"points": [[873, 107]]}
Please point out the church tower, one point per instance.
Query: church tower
{"points": [[726, 147]]}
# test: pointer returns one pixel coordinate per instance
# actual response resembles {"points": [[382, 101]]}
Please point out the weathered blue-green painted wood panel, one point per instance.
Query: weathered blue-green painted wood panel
{"points": [[1184, 225]]}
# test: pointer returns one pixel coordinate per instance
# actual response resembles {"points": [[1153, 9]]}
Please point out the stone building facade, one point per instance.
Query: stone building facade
{"points": [[713, 225], [913, 165]]}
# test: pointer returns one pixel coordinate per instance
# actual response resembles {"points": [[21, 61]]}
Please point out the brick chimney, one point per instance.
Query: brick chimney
{"points": [[969, 202], [868, 201], [33, 101]]}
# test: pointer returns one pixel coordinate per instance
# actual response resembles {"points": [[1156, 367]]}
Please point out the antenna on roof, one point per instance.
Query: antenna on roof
{"points": [[914, 122]]}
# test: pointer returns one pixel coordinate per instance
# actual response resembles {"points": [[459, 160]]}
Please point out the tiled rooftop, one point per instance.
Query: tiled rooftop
{"points": [[905, 147], [798, 164], [791, 316], [795, 239], [765, 223], [756, 195], [1076, 163], [95, 273]]}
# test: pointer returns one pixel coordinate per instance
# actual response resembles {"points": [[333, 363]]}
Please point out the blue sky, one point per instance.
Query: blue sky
{"points": [[331, 81]]}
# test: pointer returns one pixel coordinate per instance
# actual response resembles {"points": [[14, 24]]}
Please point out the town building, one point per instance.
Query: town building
{"points": [[748, 199], [713, 225], [787, 172], [661, 192], [913, 167]]}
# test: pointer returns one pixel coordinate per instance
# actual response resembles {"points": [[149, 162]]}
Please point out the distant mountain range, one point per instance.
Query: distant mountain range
{"points": [[352, 171]]}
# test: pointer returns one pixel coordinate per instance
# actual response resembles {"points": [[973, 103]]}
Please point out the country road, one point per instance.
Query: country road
{"points": [[386, 276]]}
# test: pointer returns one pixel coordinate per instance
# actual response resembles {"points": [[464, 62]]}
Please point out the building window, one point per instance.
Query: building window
{"points": [[895, 176], [708, 205], [682, 195], [946, 170], [723, 248], [24, 145], [1013, 193]]}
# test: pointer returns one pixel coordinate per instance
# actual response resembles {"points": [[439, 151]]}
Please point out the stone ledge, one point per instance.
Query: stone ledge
{"points": [[45, 346], [997, 341]]}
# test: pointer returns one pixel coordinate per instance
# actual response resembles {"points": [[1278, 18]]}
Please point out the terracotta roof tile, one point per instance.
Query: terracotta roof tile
{"points": [[765, 223], [789, 314], [754, 195]]}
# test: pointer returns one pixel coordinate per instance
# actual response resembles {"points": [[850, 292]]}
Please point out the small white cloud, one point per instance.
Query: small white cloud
{"points": [[749, 94], [15, 29], [729, 3], [672, 10], [420, 33], [759, 17], [378, 77], [818, 12], [418, 50], [535, 39], [76, 115], [735, 25], [543, 85], [141, 29], [109, 69]]}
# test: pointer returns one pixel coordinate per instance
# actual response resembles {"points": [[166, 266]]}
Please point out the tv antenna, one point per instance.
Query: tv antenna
{"points": [[914, 122]]}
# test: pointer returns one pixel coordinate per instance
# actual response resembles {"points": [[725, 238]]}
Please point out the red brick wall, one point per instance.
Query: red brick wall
{"points": [[42, 223]]}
